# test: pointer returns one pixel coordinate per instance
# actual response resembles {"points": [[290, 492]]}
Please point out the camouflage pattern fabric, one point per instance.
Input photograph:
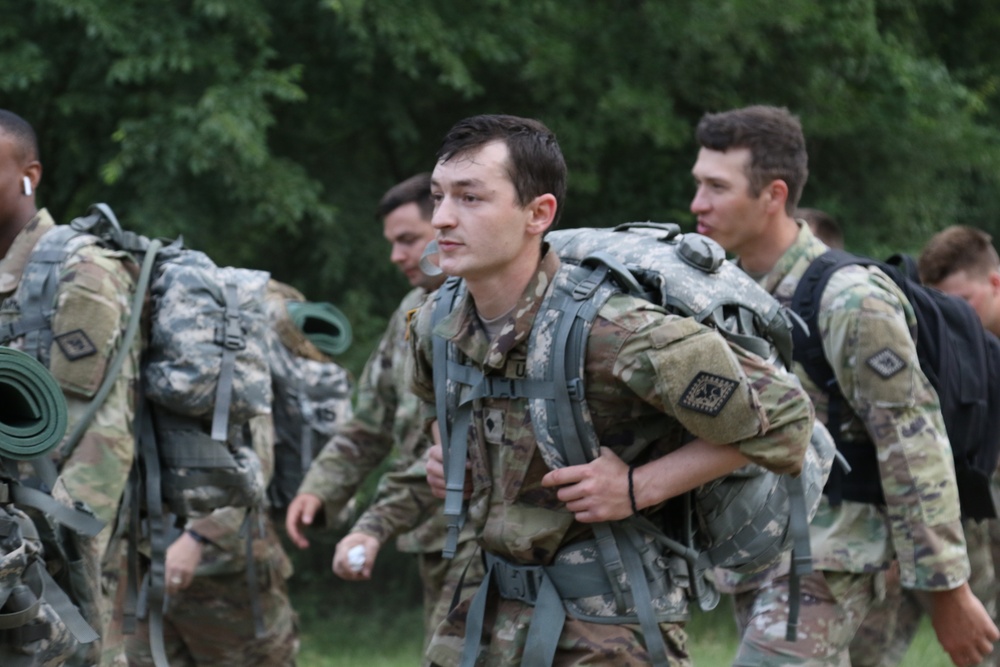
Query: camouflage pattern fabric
{"points": [[833, 606], [211, 622], [442, 577], [865, 324], [387, 421], [890, 627], [92, 310], [639, 408]]}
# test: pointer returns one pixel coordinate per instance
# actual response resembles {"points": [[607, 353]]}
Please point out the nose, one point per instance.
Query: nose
{"points": [[444, 214], [398, 254], [699, 204]]}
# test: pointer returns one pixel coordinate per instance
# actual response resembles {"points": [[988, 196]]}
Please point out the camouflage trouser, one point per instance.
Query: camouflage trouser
{"points": [[211, 624], [832, 606], [441, 576], [581, 643], [885, 635]]}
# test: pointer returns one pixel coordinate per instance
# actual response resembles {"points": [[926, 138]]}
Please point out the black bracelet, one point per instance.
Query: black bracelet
{"points": [[631, 491], [197, 537]]}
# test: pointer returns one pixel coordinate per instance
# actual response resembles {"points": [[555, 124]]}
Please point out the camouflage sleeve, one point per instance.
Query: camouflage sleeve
{"points": [[715, 390], [867, 341], [92, 311], [367, 439], [403, 501]]}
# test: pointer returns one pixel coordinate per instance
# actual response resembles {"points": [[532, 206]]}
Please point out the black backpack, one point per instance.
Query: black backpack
{"points": [[958, 356]]}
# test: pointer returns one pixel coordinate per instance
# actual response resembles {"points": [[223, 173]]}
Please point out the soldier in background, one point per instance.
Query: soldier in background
{"points": [[216, 616], [386, 420], [961, 261], [92, 308], [750, 172]]}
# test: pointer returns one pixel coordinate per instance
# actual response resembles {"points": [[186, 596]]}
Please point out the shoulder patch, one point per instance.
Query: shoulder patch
{"points": [[886, 363], [708, 393], [76, 344]]}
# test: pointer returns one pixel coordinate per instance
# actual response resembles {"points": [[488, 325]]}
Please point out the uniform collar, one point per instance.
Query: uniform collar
{"points": [[12, 266], [462, 325], [796, 259]]}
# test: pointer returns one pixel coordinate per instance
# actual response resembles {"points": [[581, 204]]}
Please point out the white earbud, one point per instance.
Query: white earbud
{"points": [[27, 186]]}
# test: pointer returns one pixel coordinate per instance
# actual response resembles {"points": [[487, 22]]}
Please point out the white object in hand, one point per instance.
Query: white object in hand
{"points": [[356, 557]]}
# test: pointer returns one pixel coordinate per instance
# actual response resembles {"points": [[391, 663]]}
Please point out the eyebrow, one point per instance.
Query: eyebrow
{"points": [[463, 183]]}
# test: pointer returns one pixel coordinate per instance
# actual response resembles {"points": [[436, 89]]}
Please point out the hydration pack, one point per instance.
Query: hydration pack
{"points": [[744, 521], [960, 359]]}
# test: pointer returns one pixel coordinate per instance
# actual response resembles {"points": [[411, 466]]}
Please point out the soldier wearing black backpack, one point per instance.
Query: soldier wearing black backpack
{"points": [[749, 174]]}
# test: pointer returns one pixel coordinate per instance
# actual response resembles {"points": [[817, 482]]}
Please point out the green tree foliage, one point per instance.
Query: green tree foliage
{"points": [[265, 131]]}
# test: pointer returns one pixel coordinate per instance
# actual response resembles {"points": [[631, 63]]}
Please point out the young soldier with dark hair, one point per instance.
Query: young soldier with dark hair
{"points": [[749, 174], [499, 184]]}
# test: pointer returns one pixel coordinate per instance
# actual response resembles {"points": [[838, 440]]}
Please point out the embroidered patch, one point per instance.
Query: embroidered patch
{"points": [[75, 344], [493, 426], [886, 363], [708, 393]]}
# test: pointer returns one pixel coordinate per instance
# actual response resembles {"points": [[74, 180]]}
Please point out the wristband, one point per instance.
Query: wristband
{"points": [[631, 491], [197, 537]]}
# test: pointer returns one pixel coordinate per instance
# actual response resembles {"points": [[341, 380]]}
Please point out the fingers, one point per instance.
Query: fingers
{"points": [[301, 512], [355, 555]]}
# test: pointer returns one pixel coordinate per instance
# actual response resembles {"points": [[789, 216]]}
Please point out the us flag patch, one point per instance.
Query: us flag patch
{"points": [[708, 393]]}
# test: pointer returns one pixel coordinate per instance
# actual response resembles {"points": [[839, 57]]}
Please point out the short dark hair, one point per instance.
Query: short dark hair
{"points": [[957, 248], [22, 132], [415, 189], [535, 165], [775, 140], [824, 225]]}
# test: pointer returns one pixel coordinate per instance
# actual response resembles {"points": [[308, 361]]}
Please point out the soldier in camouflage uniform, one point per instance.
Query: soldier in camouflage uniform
{"points": [[749, 174], [960, 261], [386, 420], [498, 186], [91, 311], [210, 617]]}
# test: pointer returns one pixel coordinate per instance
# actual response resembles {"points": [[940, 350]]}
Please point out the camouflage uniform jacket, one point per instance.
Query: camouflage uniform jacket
{"points": [[642, 367], [386, 417], [92, 310], [862, 314]]}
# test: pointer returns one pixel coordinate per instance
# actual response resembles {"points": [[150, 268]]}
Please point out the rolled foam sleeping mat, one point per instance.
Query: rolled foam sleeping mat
{"points": [[323, 324], [33, 413]]}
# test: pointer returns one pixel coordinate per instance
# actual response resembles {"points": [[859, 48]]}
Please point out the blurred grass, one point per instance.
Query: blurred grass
{"points": [[380, 623]]}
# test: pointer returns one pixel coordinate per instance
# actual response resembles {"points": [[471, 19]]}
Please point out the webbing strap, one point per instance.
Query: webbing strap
{"points": [[79, 521], [64, 607], [232, 341], [253, 584], [453, 438], [798, 525], [156, 520]]}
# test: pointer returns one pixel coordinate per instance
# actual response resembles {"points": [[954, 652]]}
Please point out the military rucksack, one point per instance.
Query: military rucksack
{"points": [[312, 393], [745, 521], [960, 359], [41, 596], [204, 373]]}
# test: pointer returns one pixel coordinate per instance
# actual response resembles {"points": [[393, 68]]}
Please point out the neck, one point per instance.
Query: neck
{"points": [[12, 227], [497, 293], [761, 256]]}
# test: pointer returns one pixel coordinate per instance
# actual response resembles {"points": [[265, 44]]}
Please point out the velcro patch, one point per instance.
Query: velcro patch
{"points": [[75, 344], [708, 393], [886, 363]]}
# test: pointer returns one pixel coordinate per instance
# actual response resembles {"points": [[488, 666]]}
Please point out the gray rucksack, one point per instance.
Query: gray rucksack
{"points": [[745, 521], [312, 393]]}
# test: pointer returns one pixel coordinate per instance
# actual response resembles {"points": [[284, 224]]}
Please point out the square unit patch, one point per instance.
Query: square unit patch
{"points": [[75, 344], [708, 393], [886, 363]]}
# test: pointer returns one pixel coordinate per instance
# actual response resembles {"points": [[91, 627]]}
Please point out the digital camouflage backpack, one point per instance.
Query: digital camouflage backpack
{"points": [[744, 522], [312, 393]]}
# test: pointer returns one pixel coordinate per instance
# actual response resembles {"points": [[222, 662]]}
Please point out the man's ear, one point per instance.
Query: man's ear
{"points": [[543, 212], [33, 171], [994, 278], [776, 194]]}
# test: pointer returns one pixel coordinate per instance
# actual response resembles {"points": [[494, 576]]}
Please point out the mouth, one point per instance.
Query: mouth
{"points": [[703, 228], [445, 245]]}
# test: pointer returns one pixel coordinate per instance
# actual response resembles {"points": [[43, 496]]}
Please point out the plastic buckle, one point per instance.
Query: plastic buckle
{"points": [[231, 337], [575, 388]]}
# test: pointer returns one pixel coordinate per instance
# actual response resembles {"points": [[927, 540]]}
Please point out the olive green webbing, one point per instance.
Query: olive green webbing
{"points": [[323, 324]]}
